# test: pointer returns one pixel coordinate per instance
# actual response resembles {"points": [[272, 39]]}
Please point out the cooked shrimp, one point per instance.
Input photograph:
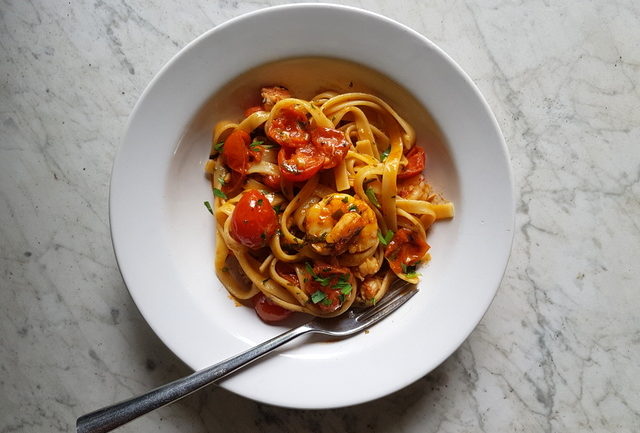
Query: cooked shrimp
{"points": [[271, 95], [369, 290], [339, 223], [370, 266], [414, 188]]}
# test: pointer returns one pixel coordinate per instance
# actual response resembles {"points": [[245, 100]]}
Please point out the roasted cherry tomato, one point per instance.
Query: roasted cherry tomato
{"points": [[416, 159], [233, 183], [288, 272], [406, 248], [253, 221], [332, 143], [272, 181], [289, 128], [297, 165], [268, 310], [328, 286], [249, 111], [235, 151]]}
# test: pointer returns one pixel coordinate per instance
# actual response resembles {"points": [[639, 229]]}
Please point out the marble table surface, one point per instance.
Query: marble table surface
{"points": [[559, 349]]}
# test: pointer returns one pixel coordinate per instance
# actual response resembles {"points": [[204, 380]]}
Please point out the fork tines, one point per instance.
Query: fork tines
{"points": [[393, 300]]}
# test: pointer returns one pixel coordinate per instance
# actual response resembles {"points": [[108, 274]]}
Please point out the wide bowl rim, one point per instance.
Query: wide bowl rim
{"points": [[118, 163]]}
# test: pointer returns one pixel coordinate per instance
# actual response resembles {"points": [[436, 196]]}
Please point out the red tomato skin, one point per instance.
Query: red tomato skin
{"points": [[267, 310], [406, 248], [298, 165], [288, 272], [289, 128], [332, 143], [253, 221], [249, 111], [234, 184], [235, 151], [416, 161], [272, 181]]}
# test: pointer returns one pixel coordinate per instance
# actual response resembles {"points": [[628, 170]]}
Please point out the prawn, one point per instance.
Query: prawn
{"points": [[340, 223]]}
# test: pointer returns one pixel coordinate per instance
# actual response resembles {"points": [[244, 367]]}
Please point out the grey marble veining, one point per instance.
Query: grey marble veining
{"points": [[559, 349]]}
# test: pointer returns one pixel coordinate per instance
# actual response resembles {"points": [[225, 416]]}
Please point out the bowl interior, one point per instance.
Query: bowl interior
{"points": [[193, 238], [163, 234]]}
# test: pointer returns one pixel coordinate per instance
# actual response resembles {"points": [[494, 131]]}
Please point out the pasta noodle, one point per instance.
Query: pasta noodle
{"points": [[320, 204]]}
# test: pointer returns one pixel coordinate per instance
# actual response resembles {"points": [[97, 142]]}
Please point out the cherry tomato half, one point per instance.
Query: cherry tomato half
{"points": [[332, 143], [289, 128], [416, 159], [297, 165], [253, 221], [406, 248], [249, 111], [288, 272], [268, 310], [235, 151], [233, 184]]}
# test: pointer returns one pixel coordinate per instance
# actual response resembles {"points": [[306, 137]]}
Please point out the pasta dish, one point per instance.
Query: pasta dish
{"points": [[320, 204]]}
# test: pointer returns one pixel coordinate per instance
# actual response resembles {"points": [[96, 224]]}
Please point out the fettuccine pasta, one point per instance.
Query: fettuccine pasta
{"points": [[319, 204]]}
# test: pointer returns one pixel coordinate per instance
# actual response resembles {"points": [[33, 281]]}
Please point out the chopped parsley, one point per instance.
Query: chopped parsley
{"points": [[219, 193], [276, 208], [259, 202], [324, 282], [371, 195], [318, 296], [208, 206], [343, 285], [409, 271], [384, 240], [221, 180], [218, 146], [353, 208], [385, 154], [256, 144], [345, 199]]}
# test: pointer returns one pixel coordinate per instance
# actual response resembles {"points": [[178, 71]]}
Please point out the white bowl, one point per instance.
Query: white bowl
{"points": [[163, 236]]}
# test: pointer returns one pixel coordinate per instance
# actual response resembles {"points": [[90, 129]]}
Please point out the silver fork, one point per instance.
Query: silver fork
{"points": [[111, 417]]}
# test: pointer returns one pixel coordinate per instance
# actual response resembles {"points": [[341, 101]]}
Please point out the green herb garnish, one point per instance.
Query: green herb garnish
{"points": [[384, 240], [276, 208], [208, 206], [324, 282], [353, 208], [255, 145], [318, 296], [219, 193], [343, 285], [385, 154], [218, 146], [409, 271], [371, 195], [345, 199]]}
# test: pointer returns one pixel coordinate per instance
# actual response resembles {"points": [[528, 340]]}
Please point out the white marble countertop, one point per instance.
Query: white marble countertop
{"points": [[559, 349]]}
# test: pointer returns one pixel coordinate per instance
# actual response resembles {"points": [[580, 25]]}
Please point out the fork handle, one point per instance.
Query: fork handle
{"points": [[111, 417]]}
